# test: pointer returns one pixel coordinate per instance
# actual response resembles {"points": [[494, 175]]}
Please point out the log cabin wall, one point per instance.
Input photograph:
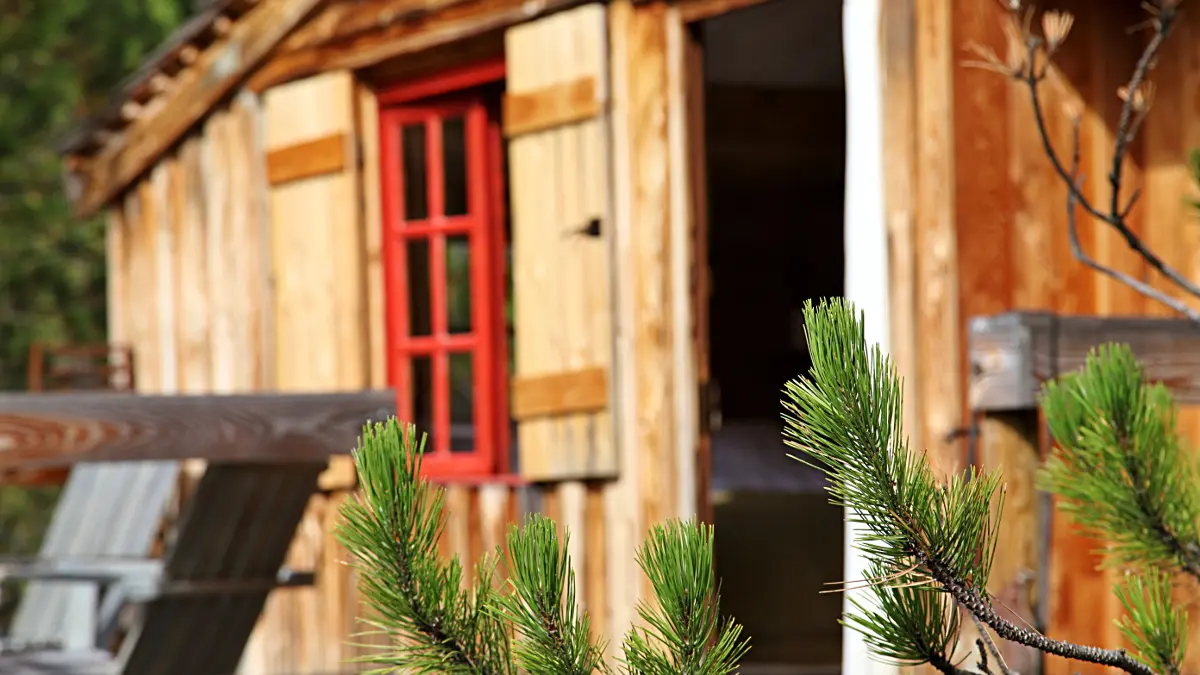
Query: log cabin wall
{"points": [[978, 226], [190, 289], [197, 287]]}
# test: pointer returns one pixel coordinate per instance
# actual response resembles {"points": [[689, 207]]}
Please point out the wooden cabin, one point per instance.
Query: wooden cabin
{"points": [[574, 238]]}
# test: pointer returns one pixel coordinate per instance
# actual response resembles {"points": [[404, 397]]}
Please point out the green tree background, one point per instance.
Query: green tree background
{"points": [[59, 60]]}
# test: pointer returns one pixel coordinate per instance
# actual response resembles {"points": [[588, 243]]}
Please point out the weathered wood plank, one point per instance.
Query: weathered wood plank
{"points": [[563, 310], [1012, 354], [940, 350], [551, 106], [46, 430], [580, 391], [317, 157], [1009, 442]]}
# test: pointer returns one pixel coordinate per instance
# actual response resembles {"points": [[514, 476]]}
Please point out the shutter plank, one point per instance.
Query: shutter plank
{"points": [[559, 178]]}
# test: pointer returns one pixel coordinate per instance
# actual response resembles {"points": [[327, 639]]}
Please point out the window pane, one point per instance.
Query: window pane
{"points": [[416, 194], [458, 283], [421, 397], [417, 266], [454, 165], [462, 403]]}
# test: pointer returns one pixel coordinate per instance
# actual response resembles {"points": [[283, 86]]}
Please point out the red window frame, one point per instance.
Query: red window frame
{"points": [[429, 102]]}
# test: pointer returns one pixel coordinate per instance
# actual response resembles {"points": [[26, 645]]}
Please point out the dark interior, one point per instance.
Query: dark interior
{"points": [[776, 190], [775, 153]]}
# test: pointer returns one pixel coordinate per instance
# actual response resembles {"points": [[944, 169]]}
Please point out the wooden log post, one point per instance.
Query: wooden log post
{"points": [[1011, 356]]}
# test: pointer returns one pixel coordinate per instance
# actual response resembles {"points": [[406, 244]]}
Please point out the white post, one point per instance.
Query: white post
{"points": [[866, 240]]}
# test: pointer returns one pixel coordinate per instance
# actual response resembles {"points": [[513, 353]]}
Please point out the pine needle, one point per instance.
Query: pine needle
{"points": [[416, 597]]}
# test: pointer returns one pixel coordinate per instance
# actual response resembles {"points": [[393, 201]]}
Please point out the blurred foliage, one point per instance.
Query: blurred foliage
{"points": [[59, 60]]}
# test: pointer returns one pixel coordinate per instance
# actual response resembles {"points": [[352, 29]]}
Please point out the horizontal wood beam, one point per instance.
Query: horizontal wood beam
{"points": [[580, 391], [216, 71], [441, 22], [36, 477], [317, 157], [41, 431], [691, 11], [145, 579], [1012, 354], [550, 107]]}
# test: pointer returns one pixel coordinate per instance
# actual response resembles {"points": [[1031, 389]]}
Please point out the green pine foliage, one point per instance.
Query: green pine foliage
{"points": [[1120, 470], [929, 544], [416, 596], [909, 623], [686, 633], [554, 636], [845, 419], [1119, 464], [1152, 624], [530, 624]]}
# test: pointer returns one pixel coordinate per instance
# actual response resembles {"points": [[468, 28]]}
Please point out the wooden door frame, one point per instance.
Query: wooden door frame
{"points": [[688, 273], [867, 271]]}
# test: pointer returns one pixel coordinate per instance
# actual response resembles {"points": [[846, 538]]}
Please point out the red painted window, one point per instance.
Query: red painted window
{"points": [[441, 167]]}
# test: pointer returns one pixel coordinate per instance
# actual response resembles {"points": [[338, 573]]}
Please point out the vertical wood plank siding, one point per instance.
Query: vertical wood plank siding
{"points": [[1012, 245]]}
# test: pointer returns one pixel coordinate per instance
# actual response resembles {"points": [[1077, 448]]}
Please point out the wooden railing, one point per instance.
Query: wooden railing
{"points": [[72, 367], [80, 367], [48, 431]]}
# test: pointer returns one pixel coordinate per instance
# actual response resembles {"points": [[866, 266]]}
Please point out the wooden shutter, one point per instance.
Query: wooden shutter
{"points": [[555, 119], [316, 241]]}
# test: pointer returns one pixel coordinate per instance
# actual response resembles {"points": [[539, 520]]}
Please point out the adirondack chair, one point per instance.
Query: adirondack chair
{"points": [[192, 611], [106, 513]]}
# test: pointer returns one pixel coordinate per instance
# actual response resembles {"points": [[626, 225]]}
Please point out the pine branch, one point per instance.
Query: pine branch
{"points": [[983, 638], [1119, 465], [393, 529], [1152, 623], [975, 602], [910, 622], [982, 665], [685, 632], [554, 638], [846, 421]]}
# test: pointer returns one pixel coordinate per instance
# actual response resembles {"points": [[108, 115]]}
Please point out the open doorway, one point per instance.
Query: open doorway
{"points": [[775, 147]]}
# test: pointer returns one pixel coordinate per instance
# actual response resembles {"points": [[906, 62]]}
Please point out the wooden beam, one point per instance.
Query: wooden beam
{"points": [[1010, 442], [40, 431], [691, 11], [216, 72], [36, 477], [1012, 354], [550, 107], [305, 160], [339, 21], [561, 394], [442, 23]]}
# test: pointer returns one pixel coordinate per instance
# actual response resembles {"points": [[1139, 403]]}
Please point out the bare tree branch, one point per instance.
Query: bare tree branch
{"points": [[991, 646], [1137, 96], [971, 599], [1083, 257]]}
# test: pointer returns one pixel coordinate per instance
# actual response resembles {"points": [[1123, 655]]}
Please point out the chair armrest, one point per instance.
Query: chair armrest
{"points": [[95, 570]]}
